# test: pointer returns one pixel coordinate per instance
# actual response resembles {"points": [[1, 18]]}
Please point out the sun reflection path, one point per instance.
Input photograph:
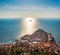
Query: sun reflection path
{"points": [[29, 25]]}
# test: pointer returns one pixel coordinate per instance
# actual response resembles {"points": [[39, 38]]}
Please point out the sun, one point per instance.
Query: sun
{"points": [[29, 21]]}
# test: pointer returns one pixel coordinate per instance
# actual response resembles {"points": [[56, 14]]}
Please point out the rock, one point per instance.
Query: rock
{"points": [[39, 36]]}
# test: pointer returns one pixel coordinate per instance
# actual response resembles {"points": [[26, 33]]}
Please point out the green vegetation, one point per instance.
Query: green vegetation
{"points": [[16, 50]]}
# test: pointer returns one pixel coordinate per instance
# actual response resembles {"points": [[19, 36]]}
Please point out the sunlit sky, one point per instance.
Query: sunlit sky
{"points": [[29, 8]]}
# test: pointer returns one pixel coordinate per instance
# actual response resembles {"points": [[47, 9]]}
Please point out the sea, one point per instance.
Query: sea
{"points": [[11, 28]]}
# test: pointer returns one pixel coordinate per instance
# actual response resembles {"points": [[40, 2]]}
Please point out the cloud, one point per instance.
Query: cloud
{"points": [[29, 11]]}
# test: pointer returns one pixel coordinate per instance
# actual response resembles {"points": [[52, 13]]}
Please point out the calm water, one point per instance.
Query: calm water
{"points": [[11, 28], [52, 26]]}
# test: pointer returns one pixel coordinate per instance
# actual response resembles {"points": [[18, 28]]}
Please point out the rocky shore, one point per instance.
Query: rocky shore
{"points": [[39, 43], [41, 39]]}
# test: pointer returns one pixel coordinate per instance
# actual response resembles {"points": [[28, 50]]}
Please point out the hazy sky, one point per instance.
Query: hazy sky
{"points": [[29, 8]]}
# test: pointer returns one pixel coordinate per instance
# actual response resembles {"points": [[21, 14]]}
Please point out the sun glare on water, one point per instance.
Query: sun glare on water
{"points": [[29, 25]]}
